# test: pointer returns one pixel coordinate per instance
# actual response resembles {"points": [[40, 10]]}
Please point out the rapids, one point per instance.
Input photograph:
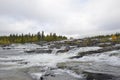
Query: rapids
{"points": [[36, 65]]}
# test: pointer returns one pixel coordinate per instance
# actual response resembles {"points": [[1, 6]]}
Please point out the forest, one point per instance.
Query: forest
{"points": [[29, 38]]}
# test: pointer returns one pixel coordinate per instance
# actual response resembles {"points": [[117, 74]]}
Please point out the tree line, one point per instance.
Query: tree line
{"points": [[107, 38], [28, 38]]}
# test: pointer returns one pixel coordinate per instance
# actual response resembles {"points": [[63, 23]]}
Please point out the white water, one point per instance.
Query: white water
{"points": [[111, 58], [13, 61], [41, 59], [36, 76], [60, 71]]}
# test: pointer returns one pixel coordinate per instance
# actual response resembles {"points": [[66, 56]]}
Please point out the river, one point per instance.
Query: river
{"points": [[16, 64]]}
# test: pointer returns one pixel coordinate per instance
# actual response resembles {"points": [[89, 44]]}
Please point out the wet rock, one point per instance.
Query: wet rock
{"points": [[39, 51], [57, 46], [61, 51], [73, 66], [15, 60], [5, 45], [62, 76], [30, 51], [23, 62], [92, 71], [6, 48], [41, 78], [48, 50], [49, 73], [105, 49], [65, 49], [100, 76], [104, 44], [43, 51]]}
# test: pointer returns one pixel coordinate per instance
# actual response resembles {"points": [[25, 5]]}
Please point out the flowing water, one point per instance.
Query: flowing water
{"points": [[15, 59]]}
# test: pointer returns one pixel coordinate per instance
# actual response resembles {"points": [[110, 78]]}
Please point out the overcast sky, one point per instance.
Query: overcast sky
{"points": [[75, 18]]}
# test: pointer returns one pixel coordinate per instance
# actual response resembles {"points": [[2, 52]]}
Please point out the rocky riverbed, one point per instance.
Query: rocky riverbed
{"points": [[36, 62]]}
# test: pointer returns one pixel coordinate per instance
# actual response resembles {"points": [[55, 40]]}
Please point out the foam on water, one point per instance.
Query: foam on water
{"points": [[84, 49], [28, 46], [50, 60], [113, 60], [44, 59], [60, 71], [36, 60], [36, 76]]}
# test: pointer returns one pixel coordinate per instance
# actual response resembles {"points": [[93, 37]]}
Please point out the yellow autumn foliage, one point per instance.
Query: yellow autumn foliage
{"points": [[114, 38]]}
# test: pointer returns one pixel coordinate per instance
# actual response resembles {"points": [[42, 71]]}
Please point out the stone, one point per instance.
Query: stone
{"points": [[39, 51]]}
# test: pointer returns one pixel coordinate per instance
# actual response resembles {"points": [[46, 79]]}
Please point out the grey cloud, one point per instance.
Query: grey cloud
{"points": [[69, 17]]}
